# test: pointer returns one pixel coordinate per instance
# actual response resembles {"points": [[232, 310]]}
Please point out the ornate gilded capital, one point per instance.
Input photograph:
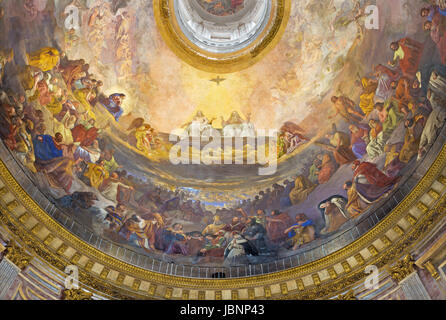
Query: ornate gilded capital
{"points": [[76, 295], [350, 295], [17, 255], [402, 268]]}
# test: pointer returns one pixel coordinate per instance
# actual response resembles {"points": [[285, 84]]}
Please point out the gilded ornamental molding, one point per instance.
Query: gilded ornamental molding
{"points": [[349, 295], [76, 294], [166, 20], [402, 268], [17, 255], [432, 270]]}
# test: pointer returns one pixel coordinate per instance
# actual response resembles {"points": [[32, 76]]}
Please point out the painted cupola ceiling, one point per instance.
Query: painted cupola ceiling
{"points": [[235, 137]]}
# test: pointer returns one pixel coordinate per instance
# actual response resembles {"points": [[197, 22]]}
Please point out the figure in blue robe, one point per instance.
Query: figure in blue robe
{"points": [[433, 10], [114, 108], [45, 148], [51, 161], [307, 223]]}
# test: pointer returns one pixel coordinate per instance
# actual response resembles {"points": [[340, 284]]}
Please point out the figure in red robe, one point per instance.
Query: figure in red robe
{"points": [[408, 52], [371, 183], [85, 134], [73, 70], [277, 224], [437, 28], [9, 125], [236, 3]]}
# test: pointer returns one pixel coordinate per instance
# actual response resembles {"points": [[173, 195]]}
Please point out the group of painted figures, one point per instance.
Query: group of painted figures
{"points": [[235, 126], [48, 115], [398, 117]]}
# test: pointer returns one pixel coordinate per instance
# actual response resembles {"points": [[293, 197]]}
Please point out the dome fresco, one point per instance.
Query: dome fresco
{"points": [[132, 147], [222, 8]]}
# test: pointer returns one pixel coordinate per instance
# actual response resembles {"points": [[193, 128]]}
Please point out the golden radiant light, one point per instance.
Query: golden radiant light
{"points": [[216, 100]]}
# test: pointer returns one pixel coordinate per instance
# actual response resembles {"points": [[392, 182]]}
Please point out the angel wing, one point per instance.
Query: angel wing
{"points": [[138, 122]]}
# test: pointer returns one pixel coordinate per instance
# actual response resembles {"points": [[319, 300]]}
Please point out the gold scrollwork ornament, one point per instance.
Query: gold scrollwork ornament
{"points": [[76, 295], [402, 268], [17, 255], [350, 295]]}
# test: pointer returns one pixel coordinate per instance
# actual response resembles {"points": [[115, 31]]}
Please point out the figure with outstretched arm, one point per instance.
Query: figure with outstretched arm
{"points": [[345, 107]]}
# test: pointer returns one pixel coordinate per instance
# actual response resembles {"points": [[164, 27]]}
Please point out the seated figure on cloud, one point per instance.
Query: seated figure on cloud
{"points": [[235, 126]]}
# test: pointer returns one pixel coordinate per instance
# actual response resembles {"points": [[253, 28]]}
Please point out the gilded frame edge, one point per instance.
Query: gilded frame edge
{"points": [[198, 58]]}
